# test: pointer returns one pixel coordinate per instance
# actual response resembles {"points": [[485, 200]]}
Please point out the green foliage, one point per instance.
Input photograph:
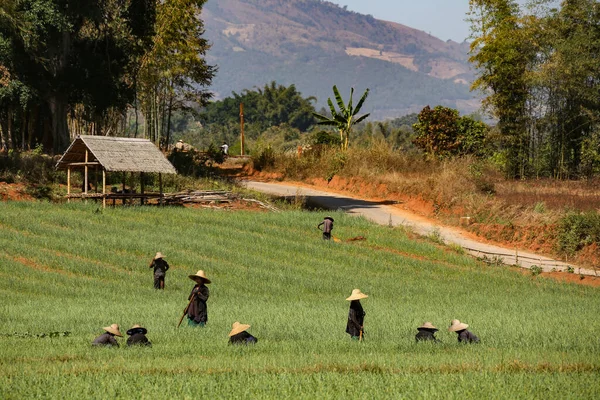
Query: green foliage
{"points": [[285, 276], [266, 159], [344, 119], [195, 163], [535, 270], [577, 230], [441, 133]]}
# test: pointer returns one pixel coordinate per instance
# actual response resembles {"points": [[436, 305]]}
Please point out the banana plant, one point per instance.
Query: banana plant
{"points": [[345, 118]]}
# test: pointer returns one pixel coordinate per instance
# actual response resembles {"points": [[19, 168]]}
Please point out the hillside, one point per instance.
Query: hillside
{"points": [[315, 44]]}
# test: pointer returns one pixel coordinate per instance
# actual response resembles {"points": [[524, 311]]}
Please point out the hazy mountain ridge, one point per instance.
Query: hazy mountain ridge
{"points": [[315, 44]]}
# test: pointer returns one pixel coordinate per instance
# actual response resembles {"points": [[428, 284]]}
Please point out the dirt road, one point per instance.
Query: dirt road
{"points": [[385, 213]]}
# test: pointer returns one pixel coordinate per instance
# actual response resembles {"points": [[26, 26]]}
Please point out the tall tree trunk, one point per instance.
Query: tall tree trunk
{"points": [[168, 136], [60, 129]]}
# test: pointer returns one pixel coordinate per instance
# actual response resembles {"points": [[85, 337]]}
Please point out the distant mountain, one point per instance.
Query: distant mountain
{"points": [[315, 44]]}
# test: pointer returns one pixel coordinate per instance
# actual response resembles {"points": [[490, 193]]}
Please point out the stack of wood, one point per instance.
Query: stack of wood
{"points": [[199, 196]]}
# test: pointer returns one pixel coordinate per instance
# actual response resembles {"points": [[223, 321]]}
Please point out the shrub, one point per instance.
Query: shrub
{"points": [[535, 270], [265, 159], [577, 230]]}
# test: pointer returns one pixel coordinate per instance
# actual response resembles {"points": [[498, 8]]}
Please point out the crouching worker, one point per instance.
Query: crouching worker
{"points": [[356, 315], [197, 311], [137, 336], [327, 225], [426, 333], [108, 337], [464, 336], [238, 334]]}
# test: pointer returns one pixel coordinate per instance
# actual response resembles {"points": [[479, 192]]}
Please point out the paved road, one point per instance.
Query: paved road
{"points": [[384, 213]]}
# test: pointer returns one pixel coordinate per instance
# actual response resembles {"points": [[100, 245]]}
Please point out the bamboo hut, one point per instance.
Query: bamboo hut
{"points": [[114, 154]]}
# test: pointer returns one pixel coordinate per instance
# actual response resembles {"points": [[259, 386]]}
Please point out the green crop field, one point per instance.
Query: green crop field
{"points": [[69, 268]]}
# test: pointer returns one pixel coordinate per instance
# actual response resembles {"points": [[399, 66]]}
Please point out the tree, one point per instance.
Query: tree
{"points": [[501, 52], [174, 72], [344, 119], [441, 133]]}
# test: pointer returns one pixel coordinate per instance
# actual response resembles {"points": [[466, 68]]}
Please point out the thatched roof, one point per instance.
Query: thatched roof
{"points": [[117, 154]]}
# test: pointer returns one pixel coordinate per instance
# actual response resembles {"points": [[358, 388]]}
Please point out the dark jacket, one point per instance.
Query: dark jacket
{"points": [[138, 338], [242, 338], [356, 318], [465, 336], [327, 225], [425, 335], [197, 310], [106, 339], [160, 267]]}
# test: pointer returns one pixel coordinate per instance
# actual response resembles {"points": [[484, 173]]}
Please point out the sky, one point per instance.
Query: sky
{"points": [[444, 19]]}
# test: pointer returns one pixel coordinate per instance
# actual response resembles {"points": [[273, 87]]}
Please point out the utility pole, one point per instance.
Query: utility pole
{"points": [[242, 126]]}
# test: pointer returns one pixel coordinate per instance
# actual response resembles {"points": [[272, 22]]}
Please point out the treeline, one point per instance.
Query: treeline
{"points": [[78, 67], [541, 77]]}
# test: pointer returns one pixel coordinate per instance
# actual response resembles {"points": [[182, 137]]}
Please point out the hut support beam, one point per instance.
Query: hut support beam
{"points": [[85, 179], [142, 188], [68, 183], [160, 188], [103, 188]]}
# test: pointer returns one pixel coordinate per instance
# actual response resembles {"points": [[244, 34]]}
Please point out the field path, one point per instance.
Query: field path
{"points": [[385, 213]]}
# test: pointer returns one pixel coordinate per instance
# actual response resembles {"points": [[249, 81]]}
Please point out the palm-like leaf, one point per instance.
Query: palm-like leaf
{"points": [[340, 101], [361, 102], [361, 119]]}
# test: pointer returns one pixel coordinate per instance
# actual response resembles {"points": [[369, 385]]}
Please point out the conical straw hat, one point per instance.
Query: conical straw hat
{"points": [[456, 325], [114, 329], [357, 295], [135, 327], [199, 276], [159, 255], [428, 325], [329, 218], [238, 328]]}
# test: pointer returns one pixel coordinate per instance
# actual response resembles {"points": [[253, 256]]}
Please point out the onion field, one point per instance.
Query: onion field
{"points": [[68, 270]]}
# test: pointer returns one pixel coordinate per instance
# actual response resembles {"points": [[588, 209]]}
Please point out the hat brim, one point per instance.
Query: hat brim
{"points": [[238, 329], [115, 332], [329, 218], [199, 279], [421, 328], [133, 331], [458, 327], [359, 296]]}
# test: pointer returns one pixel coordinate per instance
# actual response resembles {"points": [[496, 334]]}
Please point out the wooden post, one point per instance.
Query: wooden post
{"points": [[68, 184], [85, 179], [160, 189], [142, 188], [103, 188], [123, 189], [242, 126]]}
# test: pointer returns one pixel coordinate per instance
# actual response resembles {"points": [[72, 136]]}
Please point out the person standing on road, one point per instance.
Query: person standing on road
{"points": [[238, 334], [426, 333], [197, 311], [108, 337], [137, 336], [327, 227], [464, 336], [356, 315], [160, 270]]}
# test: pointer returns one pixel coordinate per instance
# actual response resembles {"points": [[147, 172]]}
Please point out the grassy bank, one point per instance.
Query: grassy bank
{"points": [[69, 268]]}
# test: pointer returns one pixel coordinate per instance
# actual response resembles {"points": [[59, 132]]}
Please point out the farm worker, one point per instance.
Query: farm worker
{"points": [[108, 337], [137, 336], [327, 227], [197, 312], [356, 315], [224, 148], [160, 270], [426, 332], [238, 334], [464, 336]]}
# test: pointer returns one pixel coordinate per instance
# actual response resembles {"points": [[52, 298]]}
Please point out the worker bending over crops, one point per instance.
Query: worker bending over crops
{"points": [[160, 270], [137, 336], [464, 336], [426, 332], [327, 227], [356, 315], [238, 334], [108, 337], [197, 312]]}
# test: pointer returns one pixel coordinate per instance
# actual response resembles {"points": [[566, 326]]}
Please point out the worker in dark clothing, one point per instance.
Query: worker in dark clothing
{"points": [[197, 312], [356, 315], [160, 270], [108, 337], [426, 332], [327, 227], [238, 334], [137, 336], [464, 336]]}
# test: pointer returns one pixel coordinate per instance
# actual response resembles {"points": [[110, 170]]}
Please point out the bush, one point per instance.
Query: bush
{"points": [[265, 159], [577, 230]]}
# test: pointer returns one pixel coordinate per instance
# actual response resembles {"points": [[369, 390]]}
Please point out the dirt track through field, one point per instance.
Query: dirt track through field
{"points": [[385, 213]]}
